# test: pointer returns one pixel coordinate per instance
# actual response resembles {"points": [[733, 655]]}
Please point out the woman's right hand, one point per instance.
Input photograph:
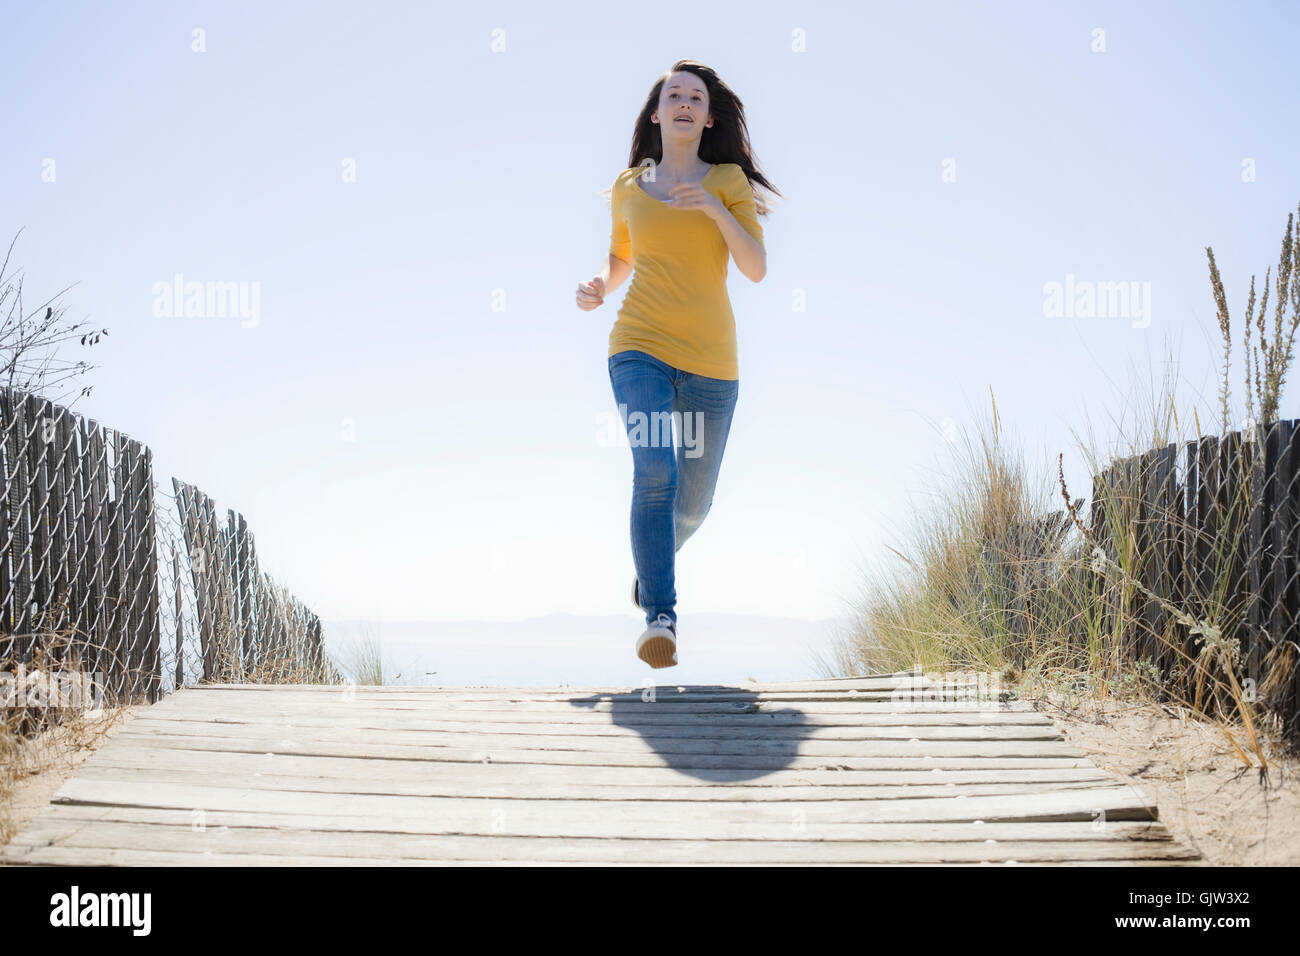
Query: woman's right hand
{"points": [[591, 294]]}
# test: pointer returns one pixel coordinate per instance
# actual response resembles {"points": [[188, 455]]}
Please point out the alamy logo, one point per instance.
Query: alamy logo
{"points": [[654, 430], [53, 689], [101, 909], [208, 300], [1091, 300]]}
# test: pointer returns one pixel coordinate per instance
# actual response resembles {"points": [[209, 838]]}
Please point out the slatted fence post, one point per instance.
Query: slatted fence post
{"points": [[180, 618]]}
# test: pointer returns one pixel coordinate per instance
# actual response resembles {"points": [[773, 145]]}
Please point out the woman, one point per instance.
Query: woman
{"points": [[682, 206]]}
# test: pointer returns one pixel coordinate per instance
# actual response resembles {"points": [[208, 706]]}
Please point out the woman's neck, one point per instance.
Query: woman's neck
{"points": [[680, 163]]}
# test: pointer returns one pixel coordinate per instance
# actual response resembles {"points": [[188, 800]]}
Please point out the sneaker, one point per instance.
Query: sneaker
{"points": [[636, 597], [658, 645]]}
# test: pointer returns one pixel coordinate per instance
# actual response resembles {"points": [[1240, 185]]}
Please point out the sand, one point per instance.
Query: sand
{"points": [[1207, 796]]}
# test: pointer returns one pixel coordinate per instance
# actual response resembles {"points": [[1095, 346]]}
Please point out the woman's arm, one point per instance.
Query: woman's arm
{"points": [[591, 294], [615, 271], [746, 249], [750, 256]]}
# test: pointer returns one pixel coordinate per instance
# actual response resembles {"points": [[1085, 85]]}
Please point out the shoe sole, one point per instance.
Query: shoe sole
{"points": [[658, 652]]}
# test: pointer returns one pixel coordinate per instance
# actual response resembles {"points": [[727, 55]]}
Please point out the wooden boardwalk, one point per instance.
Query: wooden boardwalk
{"points": [[850, 771]]}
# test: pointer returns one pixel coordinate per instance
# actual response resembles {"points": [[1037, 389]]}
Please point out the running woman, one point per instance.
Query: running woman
{"points": [[685, 203]]}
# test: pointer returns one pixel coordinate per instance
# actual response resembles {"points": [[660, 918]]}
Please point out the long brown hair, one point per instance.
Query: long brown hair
{"points": [[726, 141]]}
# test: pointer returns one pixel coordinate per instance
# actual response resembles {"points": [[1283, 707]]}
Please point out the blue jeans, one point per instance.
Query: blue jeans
{"points": [[672, 487]]}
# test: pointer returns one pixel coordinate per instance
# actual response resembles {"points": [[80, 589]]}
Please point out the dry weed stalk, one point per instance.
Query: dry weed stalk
{"points": [[1275, 354], [1215, 648]]}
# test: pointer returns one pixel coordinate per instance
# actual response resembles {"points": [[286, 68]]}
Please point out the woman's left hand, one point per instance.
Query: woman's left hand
{"points": [[695, 196]]}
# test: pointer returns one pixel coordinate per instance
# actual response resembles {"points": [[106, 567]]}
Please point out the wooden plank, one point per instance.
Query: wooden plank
{"points": [[1256, 451], [616, 715], [1288, 694], [1148, 544], [1283, 609], [427, 691], [10, 529], [59, 505], [527, 776], [242, 736], [827, 685], [1187, 534], [130, 622], [633, 856], [663, 696], [245, 591], [96, 525], [446, 785], [682, 762], [618, 707], [300, 843], [660, 820], [78, 815], [152, 624], [847, 687], [304, 693], [178, 612], [703, 729], [1233, 501], [564, 712], [958, 696], [79, 575], [586, 717], [39, 455], [116, 600]]}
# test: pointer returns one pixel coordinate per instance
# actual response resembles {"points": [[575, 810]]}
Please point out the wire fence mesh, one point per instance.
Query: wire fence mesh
{"points": [[122, 589], [1213, 531]]}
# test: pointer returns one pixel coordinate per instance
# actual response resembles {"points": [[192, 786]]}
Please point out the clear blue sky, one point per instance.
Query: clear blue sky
{"points": [[476, 486]]}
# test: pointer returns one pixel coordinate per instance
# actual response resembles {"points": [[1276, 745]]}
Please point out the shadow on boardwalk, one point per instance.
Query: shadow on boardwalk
{"points": [[708, 731]]}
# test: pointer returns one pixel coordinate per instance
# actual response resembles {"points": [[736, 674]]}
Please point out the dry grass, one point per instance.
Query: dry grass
{"points": [[53, 714], [364, 660], [996, 580], [998, 576], [33, 766]]}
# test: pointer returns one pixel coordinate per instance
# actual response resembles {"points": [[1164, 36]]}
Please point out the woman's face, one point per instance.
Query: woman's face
{"points": [[683, 112]]}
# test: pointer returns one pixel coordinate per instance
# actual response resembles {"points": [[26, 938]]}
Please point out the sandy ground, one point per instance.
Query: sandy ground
{"points": [[56, 755], [1208, 798]]}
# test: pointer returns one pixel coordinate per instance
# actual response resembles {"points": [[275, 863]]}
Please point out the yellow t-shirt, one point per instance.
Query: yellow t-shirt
{"points": [[676, 306]]}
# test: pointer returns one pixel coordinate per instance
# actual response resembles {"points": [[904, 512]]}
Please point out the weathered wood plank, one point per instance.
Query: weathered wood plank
{"points": [[637, 707], [78, 815], [691, 763], [660, 820], [907, 694], [830, 684], [586, 716], [579, 722], [83, 856], [436, 785], [787, 774], [524, 776], [703, 729], [756, 744], [294, 843]]}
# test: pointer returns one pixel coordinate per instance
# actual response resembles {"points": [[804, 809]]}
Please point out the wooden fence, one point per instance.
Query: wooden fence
{"points": [[250, 629], [1211, 528], [86, 559]]}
